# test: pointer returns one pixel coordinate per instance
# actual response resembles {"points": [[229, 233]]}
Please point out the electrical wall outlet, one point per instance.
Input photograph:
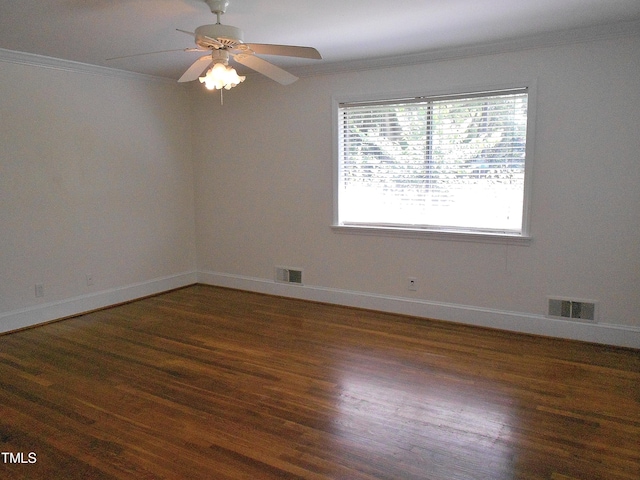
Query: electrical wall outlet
{"points": [[412, 284]]}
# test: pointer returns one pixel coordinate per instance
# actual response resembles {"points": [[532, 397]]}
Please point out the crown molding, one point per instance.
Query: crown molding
{"points": [[42, 61], [565, 37]]}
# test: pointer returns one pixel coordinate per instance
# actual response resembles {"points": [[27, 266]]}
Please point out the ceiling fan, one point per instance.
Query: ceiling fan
{"points": [[224, 42]]}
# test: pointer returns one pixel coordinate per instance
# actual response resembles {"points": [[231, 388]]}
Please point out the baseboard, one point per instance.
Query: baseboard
{"points": [[47, 312], [602, 333]]}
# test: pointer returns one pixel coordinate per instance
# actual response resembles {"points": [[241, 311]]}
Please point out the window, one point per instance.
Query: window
{"points": [[453, 163]]}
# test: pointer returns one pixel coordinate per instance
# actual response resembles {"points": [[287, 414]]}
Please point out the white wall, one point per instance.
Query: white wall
{"points": [[264, 195], [95, 178]]}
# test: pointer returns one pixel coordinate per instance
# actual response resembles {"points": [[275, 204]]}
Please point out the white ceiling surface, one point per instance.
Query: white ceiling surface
{"points": [[344, 31]]}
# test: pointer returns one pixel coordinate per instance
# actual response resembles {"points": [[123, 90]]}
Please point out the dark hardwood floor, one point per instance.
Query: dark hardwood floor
{"points": [[212, 383]]}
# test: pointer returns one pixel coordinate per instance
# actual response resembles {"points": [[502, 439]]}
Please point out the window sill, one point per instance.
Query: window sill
{"points": [[451, 236]]}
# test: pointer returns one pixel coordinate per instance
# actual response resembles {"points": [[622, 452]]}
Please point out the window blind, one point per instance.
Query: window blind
{"points": [[452, 162]]}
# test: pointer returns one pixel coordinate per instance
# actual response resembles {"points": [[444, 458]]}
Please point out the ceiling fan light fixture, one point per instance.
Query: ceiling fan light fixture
{"points": [[225, 41], [221, 76]]}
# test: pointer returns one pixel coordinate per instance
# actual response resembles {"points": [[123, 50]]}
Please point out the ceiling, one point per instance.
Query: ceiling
{"points": [[347, 33]]}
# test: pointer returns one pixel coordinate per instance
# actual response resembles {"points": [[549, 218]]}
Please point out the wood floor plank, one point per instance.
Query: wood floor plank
{"points": [[206, 382]]}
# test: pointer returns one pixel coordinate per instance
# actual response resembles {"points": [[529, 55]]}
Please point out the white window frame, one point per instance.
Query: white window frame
{"points": [[522, 238]]}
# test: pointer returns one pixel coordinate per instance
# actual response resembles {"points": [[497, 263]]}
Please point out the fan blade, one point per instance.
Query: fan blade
{"points": [[153, 53], [212, 40], [215, 42], [283, 50], [265, 68], [196, 69]]}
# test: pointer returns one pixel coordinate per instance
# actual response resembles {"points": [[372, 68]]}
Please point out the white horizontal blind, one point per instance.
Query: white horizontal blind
{"points": [[453, 163]]}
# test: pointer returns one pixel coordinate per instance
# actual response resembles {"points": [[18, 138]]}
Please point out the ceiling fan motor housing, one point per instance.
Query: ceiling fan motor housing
{"points": [[226, 35]]}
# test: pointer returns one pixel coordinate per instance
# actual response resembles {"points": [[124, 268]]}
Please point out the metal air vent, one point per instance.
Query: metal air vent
{"points": [[584, 310], [289, 275]]}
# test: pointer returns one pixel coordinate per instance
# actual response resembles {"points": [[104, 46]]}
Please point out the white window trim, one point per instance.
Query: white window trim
{"points": [[524, 238]]}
